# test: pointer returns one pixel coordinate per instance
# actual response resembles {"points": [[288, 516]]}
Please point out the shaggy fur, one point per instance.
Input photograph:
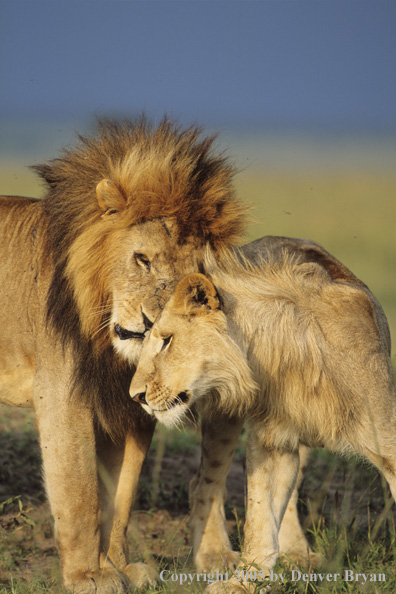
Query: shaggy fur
{"points": [[318, 351], [84, 273], [158, 172]]}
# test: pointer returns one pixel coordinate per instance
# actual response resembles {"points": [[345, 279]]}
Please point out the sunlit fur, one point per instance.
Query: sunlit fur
{"points": [[126, 215], [159, 171], [313, 346], [318, 352], [173, 194]]}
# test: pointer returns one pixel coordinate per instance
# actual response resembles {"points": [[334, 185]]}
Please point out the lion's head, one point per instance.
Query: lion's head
{"points": [[129, 212], [189, 354]]}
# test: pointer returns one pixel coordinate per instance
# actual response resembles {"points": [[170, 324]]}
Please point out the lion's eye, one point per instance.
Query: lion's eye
{"points": [[166, 342], [143, 261]]}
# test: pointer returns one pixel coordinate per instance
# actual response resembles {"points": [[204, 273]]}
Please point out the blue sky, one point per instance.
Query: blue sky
{"points": [[268, 63]]}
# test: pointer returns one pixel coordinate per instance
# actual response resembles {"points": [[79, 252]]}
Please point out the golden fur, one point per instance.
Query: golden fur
{"points": [[84, 273], [154, 172], [318, 353]]}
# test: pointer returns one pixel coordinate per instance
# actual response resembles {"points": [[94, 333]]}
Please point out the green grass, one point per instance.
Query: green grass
{"points": [[341, 510]]}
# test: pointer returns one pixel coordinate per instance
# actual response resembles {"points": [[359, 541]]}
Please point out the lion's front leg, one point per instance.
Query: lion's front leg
{"points": [[67, 440], [68, 448], [211, 545], [119, 468], [272, 476]]}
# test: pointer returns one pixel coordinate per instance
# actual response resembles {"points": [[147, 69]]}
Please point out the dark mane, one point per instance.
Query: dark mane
{"points": [[160, 171]]}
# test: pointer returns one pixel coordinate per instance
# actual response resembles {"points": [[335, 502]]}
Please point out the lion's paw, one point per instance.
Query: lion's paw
{"points": [[303, 557], [210, 562], [234, 587], [141, 575], [102, 581]]}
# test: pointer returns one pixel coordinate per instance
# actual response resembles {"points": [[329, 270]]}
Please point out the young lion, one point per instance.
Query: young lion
{"points": [[303, 357]]}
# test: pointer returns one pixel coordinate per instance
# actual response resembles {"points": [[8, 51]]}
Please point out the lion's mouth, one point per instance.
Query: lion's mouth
{"points": [[181, 398], [124, 334]]}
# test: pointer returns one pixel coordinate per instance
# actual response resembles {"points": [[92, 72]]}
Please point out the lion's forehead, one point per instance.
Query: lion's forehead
{"points": [[159, 239]]}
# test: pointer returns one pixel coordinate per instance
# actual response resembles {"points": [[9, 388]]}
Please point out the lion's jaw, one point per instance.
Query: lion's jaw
{"points": [[174, 409]]}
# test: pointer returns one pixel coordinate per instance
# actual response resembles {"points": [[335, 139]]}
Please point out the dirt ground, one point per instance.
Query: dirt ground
{"points": [[333, 491]]}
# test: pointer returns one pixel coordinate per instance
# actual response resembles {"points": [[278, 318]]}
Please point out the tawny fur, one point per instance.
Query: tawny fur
{"points": [[295, 326], [126, 215], [317, 345], [158, 172]]}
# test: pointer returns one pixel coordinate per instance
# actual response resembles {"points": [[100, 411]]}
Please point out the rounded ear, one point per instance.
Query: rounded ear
{"points": [[196, 294], [109, 197]]}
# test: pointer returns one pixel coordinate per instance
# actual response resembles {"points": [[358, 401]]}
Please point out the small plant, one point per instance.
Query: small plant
{"points": [[13, 515]]}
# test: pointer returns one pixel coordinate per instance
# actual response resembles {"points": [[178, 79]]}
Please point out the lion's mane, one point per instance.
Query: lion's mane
{"points": [[160, 172]]}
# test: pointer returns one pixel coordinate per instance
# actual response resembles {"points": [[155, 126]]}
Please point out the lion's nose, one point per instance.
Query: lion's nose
{"points": [[140, 397]]}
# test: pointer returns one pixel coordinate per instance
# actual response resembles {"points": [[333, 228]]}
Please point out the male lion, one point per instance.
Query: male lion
{"points": [[84, 273], [301, 353]]}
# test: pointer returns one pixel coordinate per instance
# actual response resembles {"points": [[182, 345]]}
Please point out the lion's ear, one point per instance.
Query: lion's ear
{"points": [[109, 197], [196, 294]]}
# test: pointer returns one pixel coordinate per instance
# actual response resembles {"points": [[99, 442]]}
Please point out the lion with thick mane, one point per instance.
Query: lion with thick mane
{"points": [[84, 273], [295, 344]]}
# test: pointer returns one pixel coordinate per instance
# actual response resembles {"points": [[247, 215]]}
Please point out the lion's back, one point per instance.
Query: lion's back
{"points": [[21, 290], [276, 248]]}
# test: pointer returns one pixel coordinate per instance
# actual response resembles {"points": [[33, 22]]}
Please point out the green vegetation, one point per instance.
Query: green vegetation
{"points": [[341, 507]]}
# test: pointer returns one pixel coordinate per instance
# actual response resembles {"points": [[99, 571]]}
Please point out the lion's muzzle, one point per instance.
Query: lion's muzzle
{"points": [[124, 334], [181, 398], [141, 398]]}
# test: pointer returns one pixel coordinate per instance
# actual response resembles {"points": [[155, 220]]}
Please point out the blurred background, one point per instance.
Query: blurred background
{"points": [[303, 94]]}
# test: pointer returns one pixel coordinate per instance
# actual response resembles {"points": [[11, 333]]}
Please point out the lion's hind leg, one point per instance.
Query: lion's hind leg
{"points": [[376, 441], [293, 543], [383, 456]]}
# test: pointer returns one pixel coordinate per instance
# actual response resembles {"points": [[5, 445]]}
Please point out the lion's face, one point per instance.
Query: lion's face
{"points": [[144, 278], [187, 353]]}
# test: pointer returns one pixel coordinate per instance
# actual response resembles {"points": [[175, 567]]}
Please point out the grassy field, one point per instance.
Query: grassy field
{"points": [[352, 214]]}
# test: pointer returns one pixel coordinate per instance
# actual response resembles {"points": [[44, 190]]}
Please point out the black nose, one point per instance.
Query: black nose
{"points": [[141, 397], [183, 397], [147, 323]]}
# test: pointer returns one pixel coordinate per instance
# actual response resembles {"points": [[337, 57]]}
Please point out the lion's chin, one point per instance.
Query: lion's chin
{"points": [[175, 417], [128, 349]]}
